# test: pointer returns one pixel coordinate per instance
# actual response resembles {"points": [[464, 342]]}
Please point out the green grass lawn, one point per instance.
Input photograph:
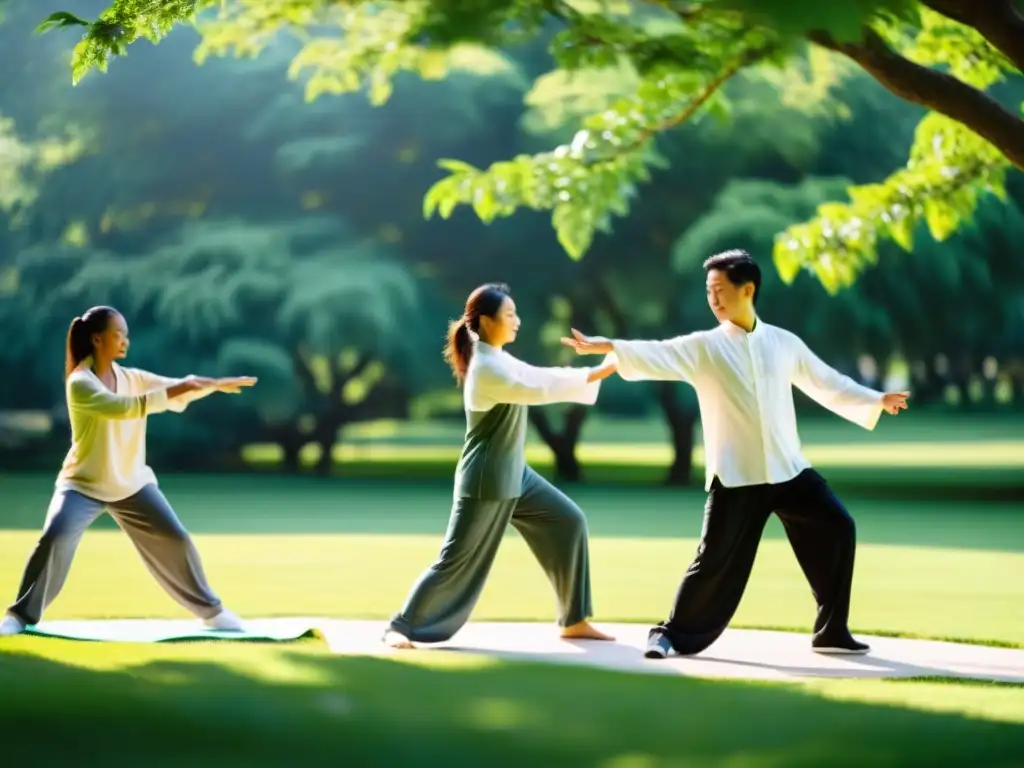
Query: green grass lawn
{"points": [[276, 546], [246, 705], [937, 558]]}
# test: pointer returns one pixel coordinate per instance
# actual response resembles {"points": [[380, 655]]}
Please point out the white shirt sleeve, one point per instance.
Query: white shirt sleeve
{"points": [[834, 390], [86, 394], [494, 381], [670, 360], [150, 381]]}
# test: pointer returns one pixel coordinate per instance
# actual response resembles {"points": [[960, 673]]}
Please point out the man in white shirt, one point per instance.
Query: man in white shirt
{"points": [[743, 372]]}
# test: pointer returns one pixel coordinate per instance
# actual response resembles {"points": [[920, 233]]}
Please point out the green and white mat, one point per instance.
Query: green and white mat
{"points": [[174, 630]]}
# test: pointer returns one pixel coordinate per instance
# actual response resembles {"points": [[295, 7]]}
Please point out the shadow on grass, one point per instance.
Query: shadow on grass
{"points": [[358, 711]]}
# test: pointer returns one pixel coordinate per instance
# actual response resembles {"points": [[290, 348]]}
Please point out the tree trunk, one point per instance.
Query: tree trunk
{"points": [[288, 438], [681, 422], [290, 460], [563, 443], [326, 438]]}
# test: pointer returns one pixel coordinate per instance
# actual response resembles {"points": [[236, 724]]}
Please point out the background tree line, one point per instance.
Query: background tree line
{"points": [[242, 228]]}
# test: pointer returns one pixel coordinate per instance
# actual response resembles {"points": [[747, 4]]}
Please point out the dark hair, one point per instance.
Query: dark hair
{"points": [[80, 333], [738, 266], [484, 301]]}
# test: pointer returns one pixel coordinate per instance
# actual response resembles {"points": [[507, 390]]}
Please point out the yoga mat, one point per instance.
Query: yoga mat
{"points": [[173, 630]]}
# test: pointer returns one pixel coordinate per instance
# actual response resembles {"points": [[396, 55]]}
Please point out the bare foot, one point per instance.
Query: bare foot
{"points": [[584, 631], [394, 639]]}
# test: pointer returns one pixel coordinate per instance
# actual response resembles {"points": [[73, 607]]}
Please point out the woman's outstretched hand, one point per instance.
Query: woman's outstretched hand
{"points": [[587, 345], [233, 385], [230, 385]]}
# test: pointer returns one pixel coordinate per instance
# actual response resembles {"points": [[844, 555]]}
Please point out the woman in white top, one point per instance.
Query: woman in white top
{"points": [[494, 486], [105, 469]]}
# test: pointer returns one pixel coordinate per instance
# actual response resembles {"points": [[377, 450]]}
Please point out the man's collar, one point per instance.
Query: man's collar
{"points": [[734, 330]]}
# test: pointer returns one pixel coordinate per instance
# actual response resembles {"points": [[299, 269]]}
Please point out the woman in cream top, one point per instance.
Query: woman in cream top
{"points": [[105, 470]]}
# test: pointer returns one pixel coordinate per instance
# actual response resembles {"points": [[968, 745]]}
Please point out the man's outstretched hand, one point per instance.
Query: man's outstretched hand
{"points": [[587, 345], [894, 402]]}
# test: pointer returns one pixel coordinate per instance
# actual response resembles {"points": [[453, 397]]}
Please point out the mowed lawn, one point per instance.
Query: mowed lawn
{"points": [[222, 704], [351, 548], [936, 559]]}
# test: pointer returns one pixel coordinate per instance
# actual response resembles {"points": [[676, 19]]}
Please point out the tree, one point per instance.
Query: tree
{"points": [[330, 325], [944, 55]]}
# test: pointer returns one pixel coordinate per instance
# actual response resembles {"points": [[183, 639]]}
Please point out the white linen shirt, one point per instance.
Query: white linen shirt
{"points": [[744, 383]]}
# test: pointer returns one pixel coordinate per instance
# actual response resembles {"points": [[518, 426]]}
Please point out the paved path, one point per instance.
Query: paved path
{"points": [[739, 654]]}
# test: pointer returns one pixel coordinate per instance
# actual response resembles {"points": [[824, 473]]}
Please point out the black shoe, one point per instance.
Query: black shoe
{"points": [[844, 646], [658, 647]]}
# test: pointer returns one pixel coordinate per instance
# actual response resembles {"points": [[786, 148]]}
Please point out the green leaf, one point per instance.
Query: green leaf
{"points": [[60, 19], [456, 166], [902, 231], [438, 194], [942, 219], [575, 230], [786, 259], [484, 204]]}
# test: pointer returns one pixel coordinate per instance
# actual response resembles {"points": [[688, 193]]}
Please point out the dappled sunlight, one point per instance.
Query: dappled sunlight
{"points": [[143, 660], [491, 714], [633, 760], [989, 455], [997, 702], [503, 714]]}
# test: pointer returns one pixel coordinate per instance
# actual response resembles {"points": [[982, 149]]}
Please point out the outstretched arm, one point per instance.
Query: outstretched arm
{"points": [[513, 381], [201, 386], [841, 394], [669, 360], [88, 395]]}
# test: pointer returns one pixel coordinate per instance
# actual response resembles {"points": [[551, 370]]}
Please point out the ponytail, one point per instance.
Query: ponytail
{"points": [[485, 301], [79, 345], [80, 333], [459, 349]]}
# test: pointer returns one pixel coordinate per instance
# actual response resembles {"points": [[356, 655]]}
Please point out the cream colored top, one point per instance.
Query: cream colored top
{"points": [[107, 458], [744, 384]]}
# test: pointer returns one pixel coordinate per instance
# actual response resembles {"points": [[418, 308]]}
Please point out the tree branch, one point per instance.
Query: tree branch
{"points": [[710, 89], [935, 90], [998, 21]]}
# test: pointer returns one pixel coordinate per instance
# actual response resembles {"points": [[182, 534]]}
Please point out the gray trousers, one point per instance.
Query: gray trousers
{"points": [[554, 528], [163, 543]]}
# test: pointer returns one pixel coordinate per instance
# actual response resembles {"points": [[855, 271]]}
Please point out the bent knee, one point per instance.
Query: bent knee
{"points": [[845, 527], [575, 522], [178, 535], [174, 533]]}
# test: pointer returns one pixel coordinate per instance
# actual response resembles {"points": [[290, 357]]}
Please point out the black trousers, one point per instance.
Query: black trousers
{"points": [[819, 529]]}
